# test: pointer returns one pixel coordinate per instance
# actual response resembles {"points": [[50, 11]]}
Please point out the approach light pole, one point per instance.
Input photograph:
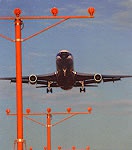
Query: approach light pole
{"points": [[69, 114], [18, 19]]}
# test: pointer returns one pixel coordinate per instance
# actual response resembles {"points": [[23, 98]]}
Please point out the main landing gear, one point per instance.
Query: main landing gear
{"points": [[49, 89], [82, 89]]}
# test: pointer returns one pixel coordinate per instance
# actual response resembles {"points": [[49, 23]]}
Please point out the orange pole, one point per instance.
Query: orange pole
{"points": [[48, 131], [19, 103]]}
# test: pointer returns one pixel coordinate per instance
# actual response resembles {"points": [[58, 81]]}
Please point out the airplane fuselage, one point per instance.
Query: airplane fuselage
{"points": [[65, 68]]}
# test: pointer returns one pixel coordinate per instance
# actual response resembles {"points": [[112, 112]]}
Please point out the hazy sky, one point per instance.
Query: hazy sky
{"points": [[99, 45]]}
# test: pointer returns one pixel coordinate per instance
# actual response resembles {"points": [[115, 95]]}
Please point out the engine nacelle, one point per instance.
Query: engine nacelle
{"points": [[98, 77], [33, 79]]}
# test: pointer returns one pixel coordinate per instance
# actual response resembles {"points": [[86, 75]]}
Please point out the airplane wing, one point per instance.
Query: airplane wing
{"points": [[97, 78], [36, 79], [81, 80]]}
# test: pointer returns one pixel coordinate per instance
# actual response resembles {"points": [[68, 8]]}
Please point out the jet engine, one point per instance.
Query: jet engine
{"points": [[32, 79], [98, 77]]}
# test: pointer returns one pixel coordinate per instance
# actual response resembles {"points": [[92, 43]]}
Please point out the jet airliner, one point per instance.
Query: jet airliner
{"points": [[65, 77]]}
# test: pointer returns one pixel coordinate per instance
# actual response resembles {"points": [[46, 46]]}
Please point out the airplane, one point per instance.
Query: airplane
{"points": [[65, 77]]}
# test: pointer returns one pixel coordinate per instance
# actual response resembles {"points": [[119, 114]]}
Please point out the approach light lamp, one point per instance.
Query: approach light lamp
{"points": [[28, 110], [54, 11], [73, 147], [30, 148], [8, 111], [17, 12], [59, 147], [68, 109], [48, 110], [89, 109], [91, 11]]}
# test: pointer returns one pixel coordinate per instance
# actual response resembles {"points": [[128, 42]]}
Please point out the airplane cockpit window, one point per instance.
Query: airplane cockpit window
{"points": [[64, 54]]}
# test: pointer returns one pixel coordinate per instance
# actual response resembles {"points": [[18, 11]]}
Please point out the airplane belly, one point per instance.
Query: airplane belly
{"points": [[65, 82]]}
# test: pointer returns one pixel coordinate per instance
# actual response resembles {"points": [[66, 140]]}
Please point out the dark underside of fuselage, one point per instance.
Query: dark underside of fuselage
{"points": [[65, 80], [64, 65]]}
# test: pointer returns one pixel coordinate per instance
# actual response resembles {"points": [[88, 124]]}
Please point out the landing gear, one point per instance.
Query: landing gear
{"points": [[49, 90], [82, 90]]}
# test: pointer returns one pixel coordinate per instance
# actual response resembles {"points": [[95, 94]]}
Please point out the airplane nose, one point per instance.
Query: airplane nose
{"points": [[63, 56]]}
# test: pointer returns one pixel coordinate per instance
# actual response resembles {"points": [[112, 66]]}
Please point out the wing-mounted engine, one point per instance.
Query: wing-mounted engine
{"points": [[32, 79], [98, 77]]}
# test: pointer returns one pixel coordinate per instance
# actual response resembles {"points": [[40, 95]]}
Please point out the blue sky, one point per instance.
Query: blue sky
{"points": [[102, 45]]}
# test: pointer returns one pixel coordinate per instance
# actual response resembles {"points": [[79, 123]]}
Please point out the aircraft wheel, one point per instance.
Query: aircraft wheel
{"points": [[82, 90], [49, 90]]}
